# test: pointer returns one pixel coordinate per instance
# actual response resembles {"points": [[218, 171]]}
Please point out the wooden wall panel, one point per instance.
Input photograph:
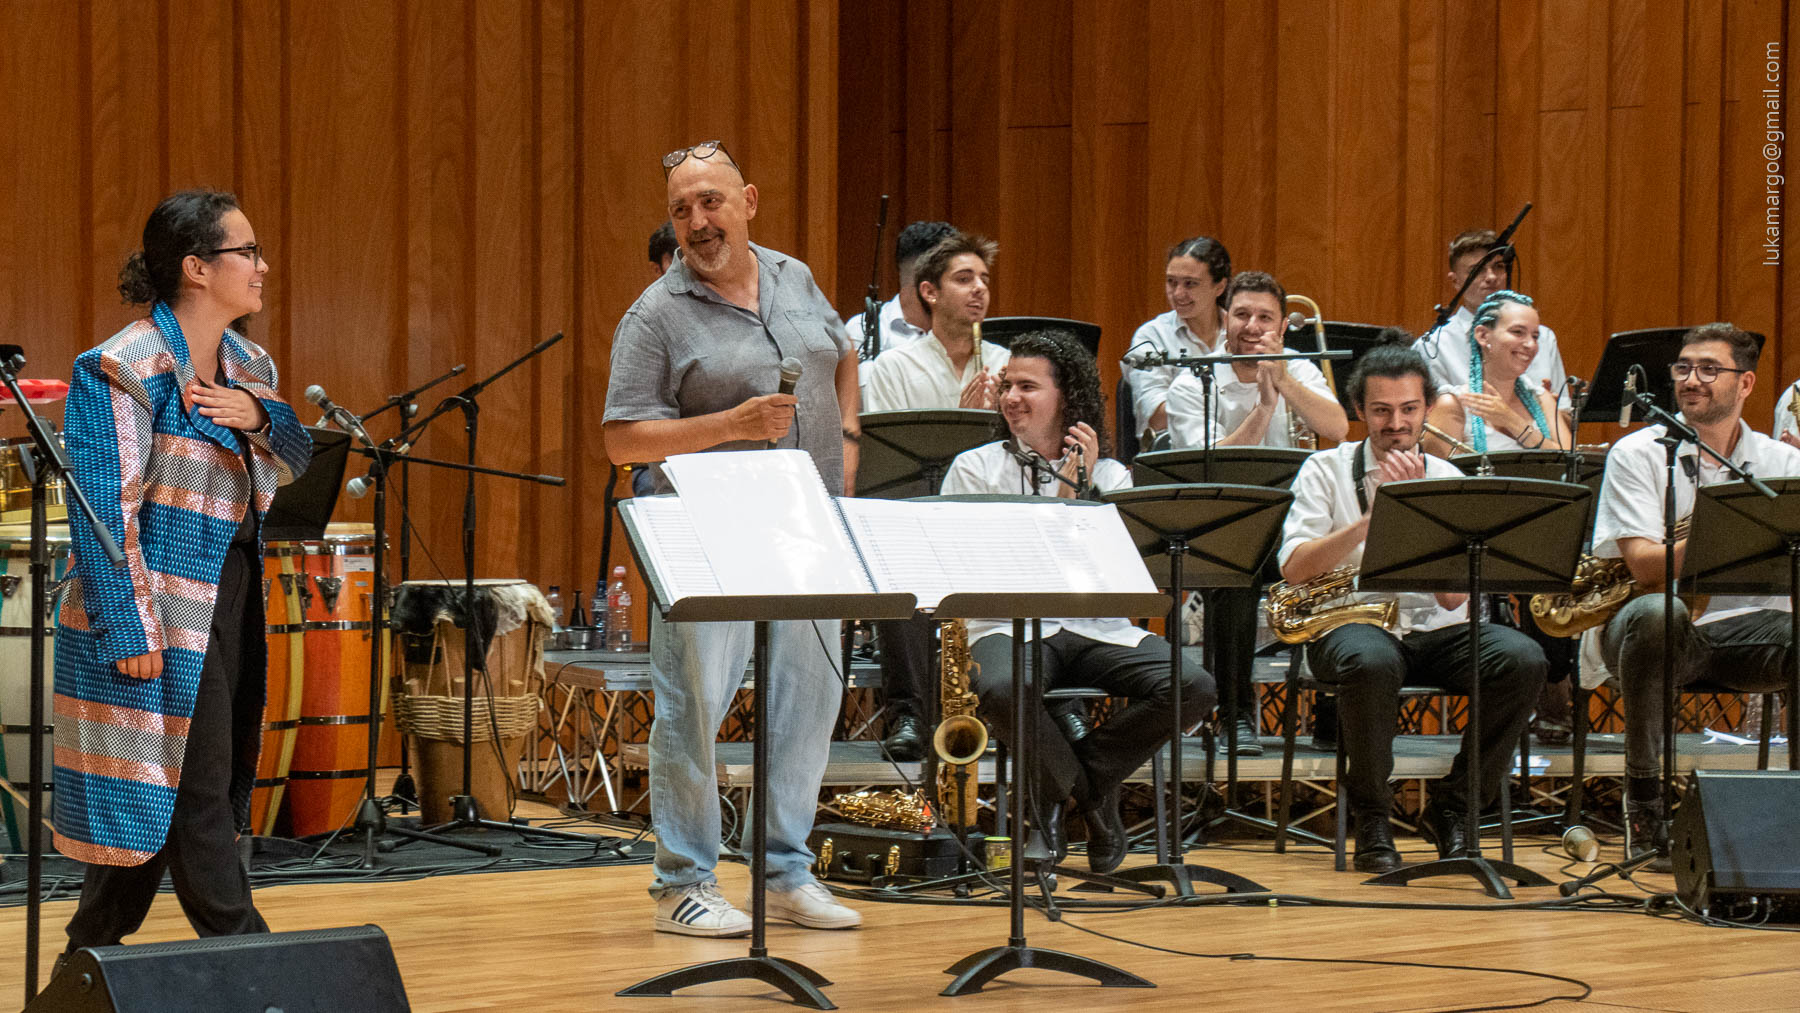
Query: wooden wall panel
{"points": [[1341, 144], [438, 182]]}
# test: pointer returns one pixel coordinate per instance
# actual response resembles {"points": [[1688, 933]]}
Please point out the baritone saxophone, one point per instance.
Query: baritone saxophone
{"points": [[1302, 612]]}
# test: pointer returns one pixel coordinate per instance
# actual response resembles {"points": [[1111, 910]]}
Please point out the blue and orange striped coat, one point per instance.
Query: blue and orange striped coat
{"points": [[171, 486]]}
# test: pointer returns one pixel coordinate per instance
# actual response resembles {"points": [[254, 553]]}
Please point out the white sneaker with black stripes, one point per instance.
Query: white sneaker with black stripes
{"points": [[700, 910]]}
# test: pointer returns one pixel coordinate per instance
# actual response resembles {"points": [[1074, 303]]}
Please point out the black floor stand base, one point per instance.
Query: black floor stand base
{"points": [[372, 827], [1182, 877], [974, 971], [1490, 874], [800, 982], [465, 814]]}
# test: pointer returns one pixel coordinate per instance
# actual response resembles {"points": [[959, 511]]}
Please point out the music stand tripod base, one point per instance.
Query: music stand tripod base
{"points": [[801, 983], [974, 971], [1489, 873]]}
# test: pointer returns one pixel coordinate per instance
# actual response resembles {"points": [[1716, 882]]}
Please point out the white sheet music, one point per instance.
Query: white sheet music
{"points": [[767, 523], [674, 548], [935, 549]]}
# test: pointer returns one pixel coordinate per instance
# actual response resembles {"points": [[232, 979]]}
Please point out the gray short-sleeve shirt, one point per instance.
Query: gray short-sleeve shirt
{"points": [[682, 350]]}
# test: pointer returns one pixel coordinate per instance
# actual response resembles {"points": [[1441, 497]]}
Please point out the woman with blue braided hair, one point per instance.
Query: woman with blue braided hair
{"points": [[1500, 410]]}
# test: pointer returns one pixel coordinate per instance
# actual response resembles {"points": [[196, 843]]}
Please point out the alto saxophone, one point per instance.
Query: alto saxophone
{"points": [[1302, 612], [961, 737], [1601, 587]]}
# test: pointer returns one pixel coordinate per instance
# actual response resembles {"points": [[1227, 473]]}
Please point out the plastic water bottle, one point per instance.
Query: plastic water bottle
{"points": [[554, 597], [618, 612], [597, 609]]}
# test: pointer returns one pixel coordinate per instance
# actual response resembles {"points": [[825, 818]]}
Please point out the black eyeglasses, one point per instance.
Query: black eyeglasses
{"points": [[705, 149], [254, 251], [1708, 371]]}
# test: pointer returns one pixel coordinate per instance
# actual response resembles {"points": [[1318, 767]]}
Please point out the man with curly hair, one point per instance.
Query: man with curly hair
{"points": [[1049, 398]]}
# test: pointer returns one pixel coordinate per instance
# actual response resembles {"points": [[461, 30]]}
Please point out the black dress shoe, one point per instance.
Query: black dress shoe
{"points": [[1248, 741], [1375, 851], [907, 741], [1449, 829], [1106, 842], [1048, 843], [1645, 830]]}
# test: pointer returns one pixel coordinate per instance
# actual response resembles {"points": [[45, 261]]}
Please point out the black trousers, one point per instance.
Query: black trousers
{"points": [[907, 650], [1231, 622], [1750, 653], [1120, 744], [201, 854], [1369, 665]]}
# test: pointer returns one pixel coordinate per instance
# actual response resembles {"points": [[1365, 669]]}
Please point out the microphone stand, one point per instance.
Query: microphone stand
{"points": [[466, 813], [1502, 246], [871, 346], [46, 457], [1675, 433]]}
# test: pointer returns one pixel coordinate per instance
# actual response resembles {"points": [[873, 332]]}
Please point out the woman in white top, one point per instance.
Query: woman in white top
{"points": [[1194, 283], [1500, 410]]}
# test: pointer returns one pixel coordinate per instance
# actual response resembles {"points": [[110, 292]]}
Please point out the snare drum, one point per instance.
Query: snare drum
{"points": [[16, 588], [330, 584]]}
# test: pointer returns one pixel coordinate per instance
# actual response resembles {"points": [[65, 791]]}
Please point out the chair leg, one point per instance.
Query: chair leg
{"points": [[1290, 718], [1768, 731], [1343, 800], [1578, 720]]}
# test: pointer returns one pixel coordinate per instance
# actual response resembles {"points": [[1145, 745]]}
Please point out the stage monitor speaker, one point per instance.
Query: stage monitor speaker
{"points": [[317, 971], [1733, 848]]}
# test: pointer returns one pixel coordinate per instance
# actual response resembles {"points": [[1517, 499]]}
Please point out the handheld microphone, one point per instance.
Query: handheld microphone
{"points": [[1630, 396], [790, 376], [316, 395]]}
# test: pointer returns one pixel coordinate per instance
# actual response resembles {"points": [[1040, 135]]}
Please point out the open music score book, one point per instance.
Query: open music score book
{"points": [[762, 523]]}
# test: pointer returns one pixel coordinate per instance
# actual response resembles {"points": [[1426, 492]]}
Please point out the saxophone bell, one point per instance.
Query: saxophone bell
{"points": [[959, 739]]}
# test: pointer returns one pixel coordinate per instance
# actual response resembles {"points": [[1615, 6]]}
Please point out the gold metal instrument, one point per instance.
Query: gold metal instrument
{"points": [[1601, 587], [1456, 445], [1300, 435], [889, 809], [1301, 612], [961, 737]]}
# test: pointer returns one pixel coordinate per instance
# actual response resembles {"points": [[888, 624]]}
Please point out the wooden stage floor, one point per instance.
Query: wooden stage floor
{"points": [[566, 940]]}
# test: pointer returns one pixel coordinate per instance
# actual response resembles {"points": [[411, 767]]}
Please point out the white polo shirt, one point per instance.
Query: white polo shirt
{"points": [[1150, 387], [1325, 500], [1233, 401], [1784, 417], [920, 377], [1447, 357], [1631, 506], [990, 469]]}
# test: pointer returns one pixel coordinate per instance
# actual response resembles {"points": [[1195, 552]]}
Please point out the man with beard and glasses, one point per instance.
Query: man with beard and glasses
{"points": [[1446, 350], [1327, 528], [1741, 642], [693, 363], [1050, 402]]}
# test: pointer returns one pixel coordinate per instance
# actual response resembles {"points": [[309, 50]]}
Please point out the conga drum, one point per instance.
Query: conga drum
{"points": [[512, 621], [334, 588], [16, 589]]}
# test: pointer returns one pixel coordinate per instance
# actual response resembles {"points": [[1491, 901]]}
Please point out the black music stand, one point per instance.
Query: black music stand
{"points": [[974, 971], [1476, 535], [1356, 339], [1002, 330], [1653, 349], [301, 509], [1230, 530], [1752, 544], [905, 454], [1270, 467], [800, 982]]}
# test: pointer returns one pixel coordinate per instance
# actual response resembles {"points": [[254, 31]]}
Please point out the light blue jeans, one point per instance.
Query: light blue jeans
{"points": [[695, 668]]}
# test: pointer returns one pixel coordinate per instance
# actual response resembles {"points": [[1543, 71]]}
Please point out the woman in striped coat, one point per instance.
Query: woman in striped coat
{"points": [[176, 432]]}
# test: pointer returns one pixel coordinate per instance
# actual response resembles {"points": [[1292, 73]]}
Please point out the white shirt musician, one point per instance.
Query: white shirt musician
{"points": [[1254, 403], [1506, 412], [1194, 281], [1787, 416], [1050, 405], [1446, 350], [954, 369], [1325, 529], [1739, 642]]}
